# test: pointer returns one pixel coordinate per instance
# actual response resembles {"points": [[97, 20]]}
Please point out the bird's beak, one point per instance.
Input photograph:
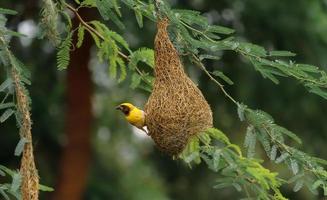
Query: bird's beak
{"points": [[118, 107]]}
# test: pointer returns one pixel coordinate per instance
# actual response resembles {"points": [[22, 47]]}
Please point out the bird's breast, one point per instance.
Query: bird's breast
{"points": [[136, 117]]}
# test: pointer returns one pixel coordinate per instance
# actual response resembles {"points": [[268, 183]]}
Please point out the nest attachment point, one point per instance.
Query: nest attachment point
{"points": [[176, 108]]}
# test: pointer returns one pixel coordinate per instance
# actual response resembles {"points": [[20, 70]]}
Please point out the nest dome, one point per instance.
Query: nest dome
{"points": [[176, 108]]}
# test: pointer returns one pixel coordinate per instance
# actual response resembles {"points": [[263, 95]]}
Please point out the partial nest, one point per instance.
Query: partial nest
{"points": [[176, 109]]}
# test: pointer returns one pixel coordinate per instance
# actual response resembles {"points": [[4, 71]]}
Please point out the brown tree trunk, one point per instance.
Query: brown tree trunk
{"points": [[75, 160]]}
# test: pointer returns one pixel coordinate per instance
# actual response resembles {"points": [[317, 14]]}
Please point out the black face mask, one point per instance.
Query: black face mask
{"points": [[126, 110]]}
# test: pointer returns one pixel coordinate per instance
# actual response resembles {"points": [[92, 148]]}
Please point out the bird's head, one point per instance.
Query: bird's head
{"points": [[125, 108]]}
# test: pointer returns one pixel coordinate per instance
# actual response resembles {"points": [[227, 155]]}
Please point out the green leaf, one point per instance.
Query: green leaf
{"points": [[68, 19], [3, 194], [208, 56], [49, 21], [190, 17], [248, 136], [191, 148], [96, 39], [317, 183], [205, 138], [6, 115], [223, 77], [139, 17], [88, 3], [237, 187], [105, 9], [252, 49], [116, 7], [294, 166], [6, 105], [208, 161], [136, 80], [16, 194], [113, 67], [240, 111], [191, 157], [80, 36], [266, 72], [220, 30], [281, 53], [281, 158], [15, 34], [222, 185], [144, 55], [26, 80], [148, 80], [44, 188], [296, 177], [250, 141], [5, 11], [122, 67], [145, 87], [20, 146], [264, 139], [236, 149], [118, 39], [319, 160], [273, 152], [105, 6], [258, 117], [298, 185], [213, 36], [216, 160], [218, 135], [2, 173], [16, 182], [289, 134], [251, 147], [7, 170], [185, 12], [308, 68], [63, 55], [7, 83], [318, 91], [229, 180], [314, 191], [229, 159], [325, 190]]}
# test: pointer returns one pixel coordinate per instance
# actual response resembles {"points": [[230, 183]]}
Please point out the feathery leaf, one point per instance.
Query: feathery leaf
{"points": [[63, 55]]}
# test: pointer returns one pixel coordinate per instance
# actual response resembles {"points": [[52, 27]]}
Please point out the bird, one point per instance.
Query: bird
{"points": [[133, 115]]}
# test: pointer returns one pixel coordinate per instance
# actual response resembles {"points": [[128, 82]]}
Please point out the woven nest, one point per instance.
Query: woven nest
{"points": [[176, 109]]}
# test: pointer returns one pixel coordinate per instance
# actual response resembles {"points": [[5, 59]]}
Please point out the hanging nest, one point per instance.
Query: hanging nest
{"points": [[176, 109]]}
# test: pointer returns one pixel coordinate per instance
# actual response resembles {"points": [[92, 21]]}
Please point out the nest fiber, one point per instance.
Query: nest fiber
{"points": [[176, 109]]}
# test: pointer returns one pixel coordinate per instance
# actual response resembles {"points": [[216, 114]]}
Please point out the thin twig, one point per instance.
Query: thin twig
{"points": [[213, 79]]}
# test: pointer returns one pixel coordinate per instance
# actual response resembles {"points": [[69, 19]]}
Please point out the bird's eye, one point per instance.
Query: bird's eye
{"points": [[125, 110]]}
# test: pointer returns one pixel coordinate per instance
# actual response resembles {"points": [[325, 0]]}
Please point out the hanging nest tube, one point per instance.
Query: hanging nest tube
{"points": [[176, 109]]}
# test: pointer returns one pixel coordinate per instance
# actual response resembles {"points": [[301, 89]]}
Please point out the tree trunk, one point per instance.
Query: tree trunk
{"points": [[75, 160]]}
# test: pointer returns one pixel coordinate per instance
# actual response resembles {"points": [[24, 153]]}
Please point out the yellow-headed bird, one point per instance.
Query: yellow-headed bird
{"points": [[133, 115]]}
